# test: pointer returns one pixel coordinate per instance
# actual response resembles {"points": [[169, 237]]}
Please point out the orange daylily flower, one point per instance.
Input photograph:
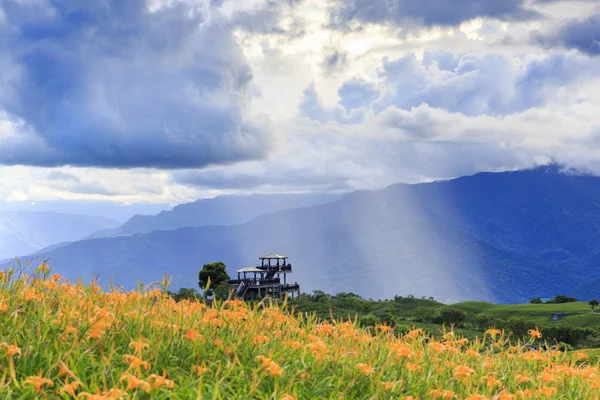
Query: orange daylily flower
{"points": [[70, 387], [441, 394], [136, 363], [275, 369], [133, 382], [11, 350], [535, 333], [64, 370], [364, 369], [200, 370], [463, 371], [158, 381], [38, 382], [139, 346]]}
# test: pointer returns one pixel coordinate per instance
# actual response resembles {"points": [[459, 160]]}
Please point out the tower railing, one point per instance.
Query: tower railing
{"points": [[241, 290]]}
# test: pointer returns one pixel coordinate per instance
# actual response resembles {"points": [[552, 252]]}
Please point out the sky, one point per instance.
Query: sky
{"points": [[163, 102]]}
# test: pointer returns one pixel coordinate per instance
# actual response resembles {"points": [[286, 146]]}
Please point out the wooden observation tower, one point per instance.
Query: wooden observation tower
{"points": [[255, 283]]}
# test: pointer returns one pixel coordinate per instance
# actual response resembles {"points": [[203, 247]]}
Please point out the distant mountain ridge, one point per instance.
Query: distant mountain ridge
{"points": [[221, 210], [24, 232], [502, 237]]}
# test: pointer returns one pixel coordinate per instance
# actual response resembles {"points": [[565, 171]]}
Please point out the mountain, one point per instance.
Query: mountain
{"points": [[24, 232], [502, 237], [221, 210], [107, 209]]}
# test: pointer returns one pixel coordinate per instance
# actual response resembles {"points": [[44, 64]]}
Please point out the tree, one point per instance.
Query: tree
{"points": [[519, 326], [320, 295], [536, 300], [222, 290], [184, 294], [425, 314], [593, 303], [560, 299], [451, 315], [368, 320], [217, 274]]}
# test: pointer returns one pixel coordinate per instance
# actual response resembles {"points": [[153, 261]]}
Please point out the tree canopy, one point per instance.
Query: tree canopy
{"points": [[536, 300], [561, 298], [216, 272], [593, 303]]}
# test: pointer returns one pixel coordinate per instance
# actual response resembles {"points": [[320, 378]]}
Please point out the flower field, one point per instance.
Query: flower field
{"points": [[69, 340]]}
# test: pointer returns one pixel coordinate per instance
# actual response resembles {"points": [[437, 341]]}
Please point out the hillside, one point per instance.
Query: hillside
{"points": [[578, 314], [80, 342], [578, 328], [24, 232], [540, 212], [494, 237], [221, 210]]}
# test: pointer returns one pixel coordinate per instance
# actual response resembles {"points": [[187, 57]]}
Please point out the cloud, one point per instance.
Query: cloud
{"points": [[580, 34], [312, 108], [474, 84], [384, 150], [444, 60], [113, 84], [17, 196], [357, 93], [57, 175], [255, 178], [316, 157], [424, 12], [118, 185], [413, 145], [183, 86], [334, 60], [268, 18]]}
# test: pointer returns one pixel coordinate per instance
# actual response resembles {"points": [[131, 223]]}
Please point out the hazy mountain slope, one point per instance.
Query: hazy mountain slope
{"points": [[221, 210], [537, 212], [502, 237], [24, 232]]}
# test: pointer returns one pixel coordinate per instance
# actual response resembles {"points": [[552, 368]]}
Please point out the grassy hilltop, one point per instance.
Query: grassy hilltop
{"points": [[577, 313]]}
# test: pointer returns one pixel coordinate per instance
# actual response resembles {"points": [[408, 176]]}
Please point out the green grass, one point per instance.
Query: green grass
{"points": [[578, 313], [587, 320], [474, 306]]}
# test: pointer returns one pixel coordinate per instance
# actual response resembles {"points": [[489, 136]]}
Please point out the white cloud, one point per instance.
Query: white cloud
{"points": [[17, 196]]}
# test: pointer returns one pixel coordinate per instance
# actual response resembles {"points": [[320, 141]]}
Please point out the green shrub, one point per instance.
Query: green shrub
{"points": [[561, 298], [368, 320], [451, 315], [424, 314]]}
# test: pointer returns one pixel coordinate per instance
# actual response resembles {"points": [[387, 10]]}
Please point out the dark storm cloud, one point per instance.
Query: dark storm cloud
{"points": [[112, 84], [425, 12], [583, 35]]}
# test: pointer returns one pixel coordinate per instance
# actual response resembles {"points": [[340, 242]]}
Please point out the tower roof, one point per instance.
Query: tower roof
{"points": [[249, 269], [273, 256]]}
